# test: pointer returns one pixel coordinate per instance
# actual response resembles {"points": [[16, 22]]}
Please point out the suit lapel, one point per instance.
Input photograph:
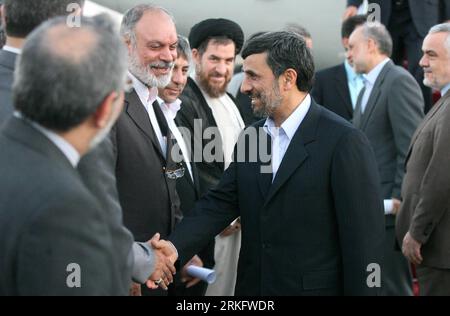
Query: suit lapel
{"points": [[25, 133], [296, 153], [7, 59], [427, 118], [343, 90], [139, 115], [375, 94], [265, 178], [204, 107]]}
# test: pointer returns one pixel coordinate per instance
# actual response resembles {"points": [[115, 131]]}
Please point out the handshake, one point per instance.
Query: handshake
{"points": [[165, 255]]}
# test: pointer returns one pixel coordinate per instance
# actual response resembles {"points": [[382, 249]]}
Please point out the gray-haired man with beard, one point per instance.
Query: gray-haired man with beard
{"points": [[146, 174]]}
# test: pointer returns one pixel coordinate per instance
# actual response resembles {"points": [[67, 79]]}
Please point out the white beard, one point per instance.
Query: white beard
{"points": [[144, 73]]}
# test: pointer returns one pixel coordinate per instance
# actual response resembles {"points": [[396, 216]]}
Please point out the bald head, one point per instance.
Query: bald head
{"points": [[64, 73], [72, 44]]}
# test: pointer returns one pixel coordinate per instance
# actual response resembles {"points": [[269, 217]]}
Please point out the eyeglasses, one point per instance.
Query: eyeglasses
{"points": [[175, 173]]}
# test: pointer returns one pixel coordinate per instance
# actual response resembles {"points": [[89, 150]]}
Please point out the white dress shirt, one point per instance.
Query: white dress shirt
{"points": [[282, 136], [229, 123], [11, 49], [170, 112], [369, 81], [355, 83], [148, 96]]}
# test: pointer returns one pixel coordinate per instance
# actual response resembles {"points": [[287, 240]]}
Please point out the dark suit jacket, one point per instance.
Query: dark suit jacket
{"points": [[195, 110], [96, 169], [331, 90], [424, 13], [392, 114], [7, 65], [425, 211], [315, 229], [48, 220], [148, 198]]}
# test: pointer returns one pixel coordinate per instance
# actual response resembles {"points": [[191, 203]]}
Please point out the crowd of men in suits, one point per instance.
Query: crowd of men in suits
{"points": [[103, 191]]}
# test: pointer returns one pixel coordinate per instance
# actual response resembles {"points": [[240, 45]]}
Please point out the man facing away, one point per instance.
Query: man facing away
{"points": [[96, 167], [56, 239]]}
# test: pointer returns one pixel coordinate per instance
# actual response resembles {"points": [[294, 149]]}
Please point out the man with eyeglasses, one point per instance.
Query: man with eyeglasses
{"points": [[186, 173]]}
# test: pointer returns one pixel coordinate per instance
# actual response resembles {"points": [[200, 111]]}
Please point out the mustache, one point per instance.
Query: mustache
{"points": [[162, 64]]}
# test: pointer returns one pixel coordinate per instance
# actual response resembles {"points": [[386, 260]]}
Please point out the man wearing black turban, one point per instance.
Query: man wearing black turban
{"points": [[215, 44]]}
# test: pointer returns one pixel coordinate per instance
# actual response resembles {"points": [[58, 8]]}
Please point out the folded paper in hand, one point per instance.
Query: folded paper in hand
{"points": [[203, 274]]}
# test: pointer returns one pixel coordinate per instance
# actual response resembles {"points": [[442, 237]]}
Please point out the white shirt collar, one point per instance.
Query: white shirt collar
{"points": [[292, 123], [64, 146], [372, 76], [171, 109], [445, 89], [147, 94], [11, 49]]}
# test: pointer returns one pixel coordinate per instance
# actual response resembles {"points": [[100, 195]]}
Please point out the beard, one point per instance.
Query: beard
{"points": [[144, 72], [269, 103], [214, 91]]}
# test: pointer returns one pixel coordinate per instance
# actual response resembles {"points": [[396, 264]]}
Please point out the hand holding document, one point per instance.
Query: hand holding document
{"points": [[203, 274]]}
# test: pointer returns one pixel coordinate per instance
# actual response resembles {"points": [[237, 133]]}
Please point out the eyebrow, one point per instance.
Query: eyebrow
{"points": [[250, 72]]}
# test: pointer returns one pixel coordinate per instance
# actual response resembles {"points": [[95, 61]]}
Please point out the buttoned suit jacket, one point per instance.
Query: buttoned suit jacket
{"points": [[315, 229], [425, 210]]}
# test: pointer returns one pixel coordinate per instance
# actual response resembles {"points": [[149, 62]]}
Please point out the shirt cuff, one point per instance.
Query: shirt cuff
{"points": [[144, 262], [388, 206]]}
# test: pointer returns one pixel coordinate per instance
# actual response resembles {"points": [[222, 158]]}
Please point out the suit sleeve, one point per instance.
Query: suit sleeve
{"points": [[211, 215], [405, 111], [66, 247], [435, 185], [359, 211], [355, 3]]}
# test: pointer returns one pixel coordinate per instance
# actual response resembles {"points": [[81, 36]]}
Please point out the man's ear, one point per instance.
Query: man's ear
{"points": [[2, 15], [105, 110], [289, 79], [196, 55]]}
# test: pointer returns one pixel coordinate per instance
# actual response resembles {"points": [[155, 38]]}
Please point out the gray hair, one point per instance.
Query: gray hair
{"points": [[442, 28], [298, 29], [134, 15], [65, 73], [184, 49], [378, 32], [285, 50]]}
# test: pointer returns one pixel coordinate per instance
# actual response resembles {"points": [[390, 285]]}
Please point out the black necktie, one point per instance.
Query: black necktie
{"points": [[163, 126]]}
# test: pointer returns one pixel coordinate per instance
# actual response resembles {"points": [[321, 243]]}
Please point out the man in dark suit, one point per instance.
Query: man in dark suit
{"points": [[337, 88], [215, 121], [423, 222], [389, 109], [145, 171], [408, 21], [96, 167], [187, 186], [304, 183], [55, 237]]}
